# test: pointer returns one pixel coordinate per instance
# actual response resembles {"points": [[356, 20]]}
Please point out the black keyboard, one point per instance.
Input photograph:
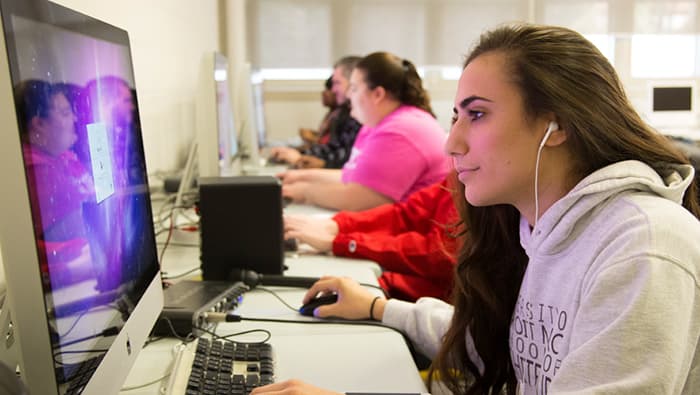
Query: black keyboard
{"points": [[77, 375], [224, 367]]}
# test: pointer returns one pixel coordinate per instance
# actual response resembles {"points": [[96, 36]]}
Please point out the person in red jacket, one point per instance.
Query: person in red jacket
{"points": [[414, 241]]}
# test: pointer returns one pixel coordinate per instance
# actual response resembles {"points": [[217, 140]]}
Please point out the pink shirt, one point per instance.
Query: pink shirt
{"points": [[400, 155]]}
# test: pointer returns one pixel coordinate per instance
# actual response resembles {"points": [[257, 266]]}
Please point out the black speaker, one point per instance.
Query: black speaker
{"points": [[240, 225]]}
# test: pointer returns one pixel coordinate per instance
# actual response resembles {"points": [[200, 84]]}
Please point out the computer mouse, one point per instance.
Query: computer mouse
{"points": [[290, 245], [308, 308], [275, 160]]}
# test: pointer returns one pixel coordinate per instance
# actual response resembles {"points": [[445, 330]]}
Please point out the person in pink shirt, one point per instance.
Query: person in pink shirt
{"points": [[399, 150], [59, 183]]}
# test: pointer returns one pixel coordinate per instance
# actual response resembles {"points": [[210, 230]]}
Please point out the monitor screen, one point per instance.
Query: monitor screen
{"points": [[672, 98], [217, 138], [246, 105], [261, 122], [228, 138], [78, 245]]}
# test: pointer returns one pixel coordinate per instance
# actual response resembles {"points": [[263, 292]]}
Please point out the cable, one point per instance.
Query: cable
{"points": [[273, 293], [76, 352], [230, 317], [267, 333], [179, 244], [376, 287], [551, 127], [187, 339], [252, 279], [82, 314], [167, 239], [164, 275], [139, 386], [296, 309], [111, 331], [537, 172]]}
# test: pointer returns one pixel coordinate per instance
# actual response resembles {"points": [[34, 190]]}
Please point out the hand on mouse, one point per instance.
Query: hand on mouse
{"points": [[292, 176], [285, 154], [319, 233], [309, 162], [354, 301], [291, 387], [295, 192]]}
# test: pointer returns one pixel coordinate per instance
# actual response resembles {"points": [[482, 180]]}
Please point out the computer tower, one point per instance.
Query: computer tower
{"points": [[241, 225]]}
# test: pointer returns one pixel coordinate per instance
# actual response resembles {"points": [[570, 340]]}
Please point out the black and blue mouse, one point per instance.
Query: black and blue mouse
{"points": [[308, 308]]}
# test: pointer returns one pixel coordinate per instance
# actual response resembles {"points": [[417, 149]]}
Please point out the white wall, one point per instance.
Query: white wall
{"points": [[168, 39], [290, 105]]}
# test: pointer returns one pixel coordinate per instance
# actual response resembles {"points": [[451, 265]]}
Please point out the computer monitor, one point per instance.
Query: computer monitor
{"points": [[245, 105], [672, 98], [217, 137], [672, 108], [189, 175], [259, 109], [78, 246]]}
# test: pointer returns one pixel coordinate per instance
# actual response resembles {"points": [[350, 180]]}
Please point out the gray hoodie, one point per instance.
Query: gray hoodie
{"points": [[610, 301]]}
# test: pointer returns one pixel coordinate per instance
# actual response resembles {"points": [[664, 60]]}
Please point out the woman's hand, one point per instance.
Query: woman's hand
{"points": [[295, 191], [291, 387], [319, 233], [292, 176], [310, 162], [354, 301], [285, 154]]}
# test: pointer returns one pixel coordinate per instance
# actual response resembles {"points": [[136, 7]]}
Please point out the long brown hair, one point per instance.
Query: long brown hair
{"points": [[397, 76], [556, 71]]}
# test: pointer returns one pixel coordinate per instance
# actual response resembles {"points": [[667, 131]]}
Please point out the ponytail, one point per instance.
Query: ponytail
{"points": [[398, 77]]}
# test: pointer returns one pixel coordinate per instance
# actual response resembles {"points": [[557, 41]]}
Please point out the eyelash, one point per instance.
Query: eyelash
{"points": [[474, 115]]}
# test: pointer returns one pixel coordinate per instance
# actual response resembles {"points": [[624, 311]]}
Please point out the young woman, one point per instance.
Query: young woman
{"points": [[397, 151], [581, 267]]}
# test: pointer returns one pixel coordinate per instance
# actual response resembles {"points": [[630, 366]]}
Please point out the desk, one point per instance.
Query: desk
{"points": [[337, 357], [305, 209]]}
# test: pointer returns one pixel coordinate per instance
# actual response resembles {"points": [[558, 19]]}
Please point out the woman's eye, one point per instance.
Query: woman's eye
{"points": [[453, 120], [475, 115]]}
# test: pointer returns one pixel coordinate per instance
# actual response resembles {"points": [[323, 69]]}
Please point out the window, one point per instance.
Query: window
{"points": [[662, 56]]}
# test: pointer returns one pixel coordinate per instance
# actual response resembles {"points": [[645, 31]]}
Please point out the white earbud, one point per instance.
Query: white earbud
{"points": [[550, 128]]}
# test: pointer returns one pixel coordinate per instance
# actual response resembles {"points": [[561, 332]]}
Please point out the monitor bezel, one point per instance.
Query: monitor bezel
{"points": [[28, 345], [672, 121], [245, 100], [208, 131]]}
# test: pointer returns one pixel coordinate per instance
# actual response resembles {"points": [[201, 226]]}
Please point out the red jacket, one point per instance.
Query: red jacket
{"points": [[413, 241]]}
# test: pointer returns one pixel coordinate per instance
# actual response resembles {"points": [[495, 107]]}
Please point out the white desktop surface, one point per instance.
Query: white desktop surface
{"points": [[305, 209], [263, 170], [338, 357]]}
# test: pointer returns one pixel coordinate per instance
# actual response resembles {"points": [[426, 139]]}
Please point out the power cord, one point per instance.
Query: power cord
{"points": [[165, 276]]}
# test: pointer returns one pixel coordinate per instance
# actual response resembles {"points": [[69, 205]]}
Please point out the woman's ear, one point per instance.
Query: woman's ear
{"points": [[556, 137], [378, 94]]}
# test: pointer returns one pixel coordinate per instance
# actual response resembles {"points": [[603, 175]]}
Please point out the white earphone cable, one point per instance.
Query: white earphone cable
{"points": [[537, 172], [552, 126]]}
